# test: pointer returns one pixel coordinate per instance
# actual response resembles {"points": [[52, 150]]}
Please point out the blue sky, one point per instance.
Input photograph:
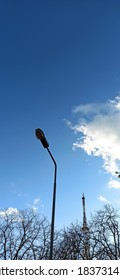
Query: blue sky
{"points": [[60, 71]]}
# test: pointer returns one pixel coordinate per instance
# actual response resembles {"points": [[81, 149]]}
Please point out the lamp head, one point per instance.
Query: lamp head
{"points": [[41, 136]]}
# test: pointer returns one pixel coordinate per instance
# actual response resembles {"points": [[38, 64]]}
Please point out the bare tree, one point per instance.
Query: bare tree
{"points": [[70, 243], [23, 235], [105, 234], [103, 241]]}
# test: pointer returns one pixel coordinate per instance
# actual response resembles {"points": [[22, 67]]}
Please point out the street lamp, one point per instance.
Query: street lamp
{"points": [[40, 135]]}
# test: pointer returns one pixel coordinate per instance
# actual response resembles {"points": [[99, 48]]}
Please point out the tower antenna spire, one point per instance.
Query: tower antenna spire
{"points": [[84, 228], [86, 235]]}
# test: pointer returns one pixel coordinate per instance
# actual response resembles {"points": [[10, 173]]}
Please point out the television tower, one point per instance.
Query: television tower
{"points": [[86, 235]]}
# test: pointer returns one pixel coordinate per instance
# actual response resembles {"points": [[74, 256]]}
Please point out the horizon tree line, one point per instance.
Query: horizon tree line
{"points": [[25, 235]]}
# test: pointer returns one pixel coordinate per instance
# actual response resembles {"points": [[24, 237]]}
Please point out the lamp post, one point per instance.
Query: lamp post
{"points": [[40, 135]]}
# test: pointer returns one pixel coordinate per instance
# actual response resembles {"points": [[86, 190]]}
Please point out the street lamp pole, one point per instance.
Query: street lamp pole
{"points": [[53, 206], [40, 135]]}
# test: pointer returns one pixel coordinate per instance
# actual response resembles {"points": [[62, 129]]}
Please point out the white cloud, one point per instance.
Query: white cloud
{"points": [[103, 199], [36, 200], [35, 204], [99, 129], [89, 108], [113, 184], [9, 211]]}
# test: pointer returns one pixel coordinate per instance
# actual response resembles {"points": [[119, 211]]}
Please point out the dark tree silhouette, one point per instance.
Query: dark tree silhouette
{"points": [[24, 234], [105, 234]]}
